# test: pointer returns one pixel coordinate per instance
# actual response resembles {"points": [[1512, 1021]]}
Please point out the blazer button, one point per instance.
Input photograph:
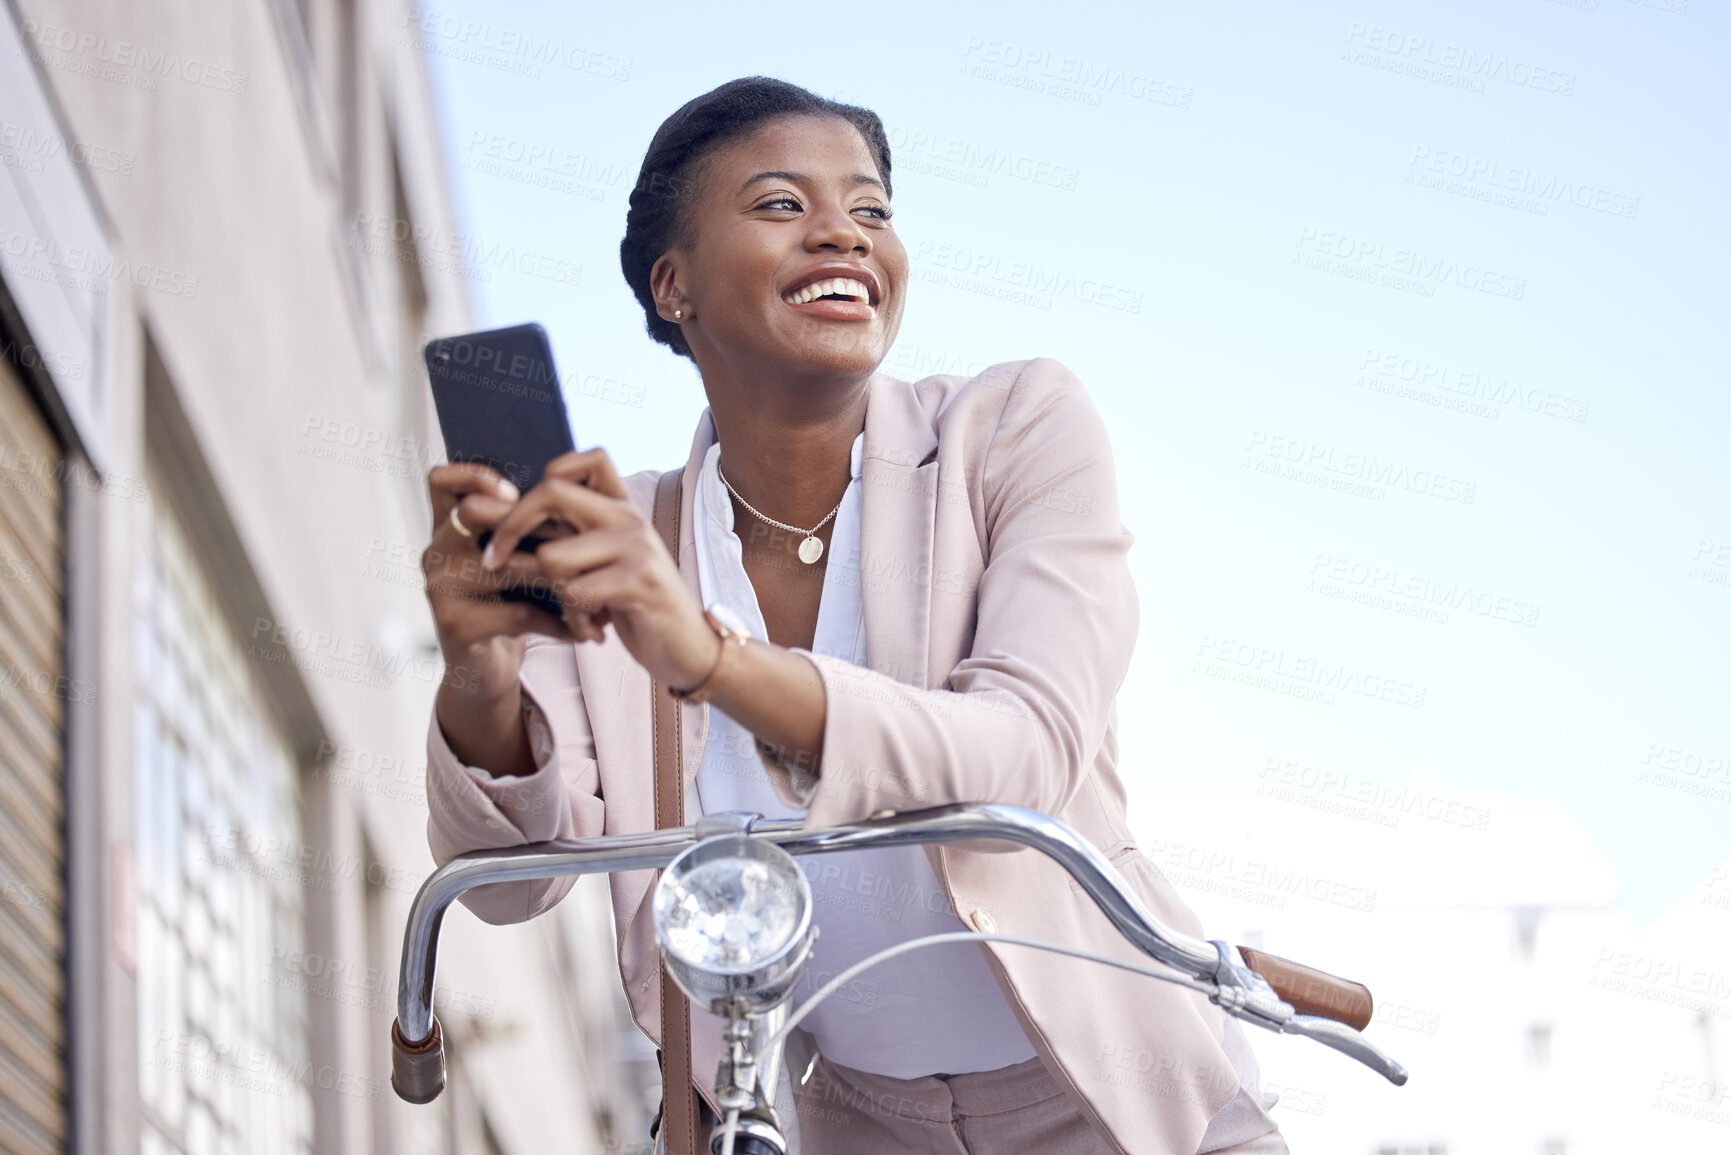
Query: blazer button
{"points": [[983, 921]]}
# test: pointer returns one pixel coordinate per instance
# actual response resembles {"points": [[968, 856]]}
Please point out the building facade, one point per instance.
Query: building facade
{"points": [[1534, 1014], [217, 660]]}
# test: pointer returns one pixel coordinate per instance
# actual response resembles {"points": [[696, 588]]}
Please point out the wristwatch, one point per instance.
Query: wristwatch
{"points": [[733, 633]]}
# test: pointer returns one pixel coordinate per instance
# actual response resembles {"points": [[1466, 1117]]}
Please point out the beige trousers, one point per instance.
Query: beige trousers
{"points": [[1005, 1112]]}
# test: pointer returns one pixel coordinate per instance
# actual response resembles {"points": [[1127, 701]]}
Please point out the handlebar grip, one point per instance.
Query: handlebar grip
{"points": [[1310, 991], [417, 1070]]}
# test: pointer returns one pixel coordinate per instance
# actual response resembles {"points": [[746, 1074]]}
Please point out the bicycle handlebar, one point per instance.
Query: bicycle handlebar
{"points": [[1268, 991], [1312, 992]]}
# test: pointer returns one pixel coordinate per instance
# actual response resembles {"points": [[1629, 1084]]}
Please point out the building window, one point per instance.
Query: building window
{"points": [[222, 1043], [1539, 1045], [1527, 932]]}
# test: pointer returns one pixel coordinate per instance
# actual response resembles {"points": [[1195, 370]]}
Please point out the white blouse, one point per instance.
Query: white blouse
{"points": [[937, 1010], [934, 1011]]}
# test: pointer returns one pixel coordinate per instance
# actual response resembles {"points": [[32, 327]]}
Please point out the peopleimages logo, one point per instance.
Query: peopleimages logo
{"points": [[347, 659], [29, 148], [144, 63], [1366, 257], [87, 270], [1670, 981], [447, 34], [1335, 576], [1362, 474], [1377, 797], [1545, 188], [1274, 668], [1067, 77], [1382, 371], [467, 256], [1427, 58], [987, 267], [940, 154], [1257, 880]]}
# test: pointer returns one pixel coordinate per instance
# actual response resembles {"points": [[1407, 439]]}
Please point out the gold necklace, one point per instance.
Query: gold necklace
{"points": [[811, 548]]}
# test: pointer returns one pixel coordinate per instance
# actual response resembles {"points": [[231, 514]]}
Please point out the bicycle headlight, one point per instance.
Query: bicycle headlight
{"points": [[733, 920]]}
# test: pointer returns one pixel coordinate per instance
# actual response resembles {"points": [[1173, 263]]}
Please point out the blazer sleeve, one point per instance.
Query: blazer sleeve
{"points": [[1024, 715], [561, 799]]}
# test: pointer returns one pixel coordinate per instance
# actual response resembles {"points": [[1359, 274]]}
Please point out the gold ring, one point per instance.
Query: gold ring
{"points": [[457, 524]]}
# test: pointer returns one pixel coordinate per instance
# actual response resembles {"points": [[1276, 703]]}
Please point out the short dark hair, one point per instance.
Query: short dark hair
{"points": [[671, 170]]}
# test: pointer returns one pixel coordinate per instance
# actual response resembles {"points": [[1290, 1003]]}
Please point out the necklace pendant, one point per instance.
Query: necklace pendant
{"points": [[810, 550]]}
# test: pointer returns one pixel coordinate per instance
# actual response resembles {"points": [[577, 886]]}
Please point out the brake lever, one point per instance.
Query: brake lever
{"points": [[1246, 995], [1348, 1042]]}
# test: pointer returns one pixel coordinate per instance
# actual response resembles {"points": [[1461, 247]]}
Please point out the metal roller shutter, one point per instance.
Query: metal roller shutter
{"points": [[33, 692]]}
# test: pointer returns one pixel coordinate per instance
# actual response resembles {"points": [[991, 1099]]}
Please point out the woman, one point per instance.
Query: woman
{"points": [[934, 583]]}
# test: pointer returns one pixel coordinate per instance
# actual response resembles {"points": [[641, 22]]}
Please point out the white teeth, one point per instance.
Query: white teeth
{"points": [[835, 286]]}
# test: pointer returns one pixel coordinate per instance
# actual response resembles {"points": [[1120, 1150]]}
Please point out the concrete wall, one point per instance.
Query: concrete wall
{"points": [[267, 363]]}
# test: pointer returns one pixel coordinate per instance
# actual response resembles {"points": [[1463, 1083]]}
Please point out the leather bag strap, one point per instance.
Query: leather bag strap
{"points": [[678, 1094]]}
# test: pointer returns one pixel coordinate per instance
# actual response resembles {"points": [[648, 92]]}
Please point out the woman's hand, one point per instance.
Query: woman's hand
{"points": [[614, 569], [477, 630], [481, 636]]}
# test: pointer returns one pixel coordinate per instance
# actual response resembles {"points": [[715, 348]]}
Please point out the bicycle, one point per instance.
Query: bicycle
{"points": [[733, 921]]}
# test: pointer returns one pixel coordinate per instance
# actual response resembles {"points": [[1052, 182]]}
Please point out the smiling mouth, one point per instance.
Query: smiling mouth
{"points": [[832, 289]]}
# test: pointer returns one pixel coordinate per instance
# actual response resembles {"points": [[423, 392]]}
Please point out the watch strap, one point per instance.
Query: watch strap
{"points": [[730, 639]]}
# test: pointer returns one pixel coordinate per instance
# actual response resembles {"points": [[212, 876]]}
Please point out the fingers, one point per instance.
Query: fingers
{"points": [[587, 627], [539, 621], [450, 543], [557, 499], [560, 566], [592, 468], [481, 511], [464, 594], [467, 623], [449, 484], [592, 574], [579, 492], [567, 558], [586, 619], [619, 584]]}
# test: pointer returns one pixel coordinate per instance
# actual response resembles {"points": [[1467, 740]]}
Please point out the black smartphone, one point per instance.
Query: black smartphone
{"points": [[499, 404]]}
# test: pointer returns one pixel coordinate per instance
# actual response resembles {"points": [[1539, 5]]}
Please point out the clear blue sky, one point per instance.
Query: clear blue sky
{"points": [[1414, 240]]}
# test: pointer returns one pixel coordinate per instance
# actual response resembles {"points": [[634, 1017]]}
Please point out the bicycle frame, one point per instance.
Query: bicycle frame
{"points": [[418, 1073]]}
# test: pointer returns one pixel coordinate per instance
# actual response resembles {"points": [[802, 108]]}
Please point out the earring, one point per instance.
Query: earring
{"points": [[679, 314]]}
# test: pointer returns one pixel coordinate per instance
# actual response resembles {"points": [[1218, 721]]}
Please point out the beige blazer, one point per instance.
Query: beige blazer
{"points": [[1000, 617]]}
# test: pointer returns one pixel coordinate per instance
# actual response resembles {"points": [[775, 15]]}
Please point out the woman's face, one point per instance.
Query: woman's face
{"points": [[793, 264]]}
